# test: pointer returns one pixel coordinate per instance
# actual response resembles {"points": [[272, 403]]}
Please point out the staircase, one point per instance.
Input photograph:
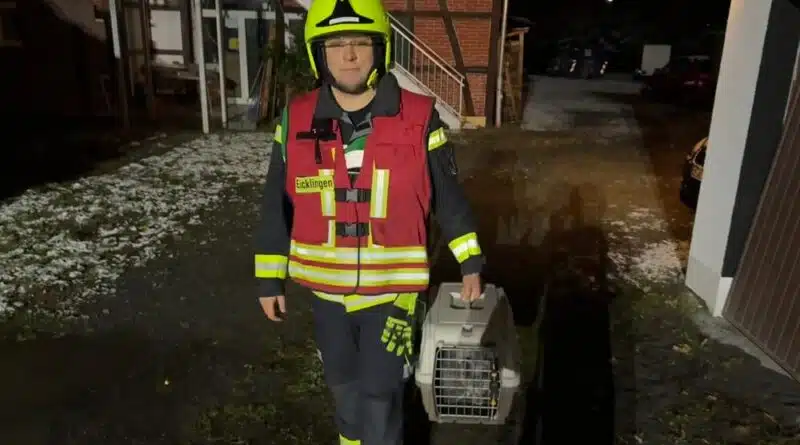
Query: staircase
{"points": [[418, 68]]}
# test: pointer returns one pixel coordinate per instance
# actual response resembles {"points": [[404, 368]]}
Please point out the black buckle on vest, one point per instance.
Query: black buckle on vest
{"points": [[352, 195], [352, 229], [321, 130]]}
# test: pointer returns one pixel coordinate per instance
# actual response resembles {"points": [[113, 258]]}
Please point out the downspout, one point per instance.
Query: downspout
{"points": [[223, 94], [120, 63], [498, 111], [200, 61]]}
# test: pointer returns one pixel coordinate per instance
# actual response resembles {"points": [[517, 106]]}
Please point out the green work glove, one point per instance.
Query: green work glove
{"points": [[398, 333]]}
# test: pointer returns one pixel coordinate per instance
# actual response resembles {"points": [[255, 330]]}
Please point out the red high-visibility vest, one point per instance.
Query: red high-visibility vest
{"points": [[369, 237]]}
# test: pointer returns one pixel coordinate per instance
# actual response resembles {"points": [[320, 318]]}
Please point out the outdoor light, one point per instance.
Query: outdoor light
{"points": [[469, 361]]}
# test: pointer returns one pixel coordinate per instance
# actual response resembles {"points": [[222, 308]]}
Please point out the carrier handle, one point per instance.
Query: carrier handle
{"points": [[458, 303]]}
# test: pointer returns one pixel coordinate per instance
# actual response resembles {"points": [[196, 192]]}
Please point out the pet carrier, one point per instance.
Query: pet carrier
{"points": [[468, 369]]}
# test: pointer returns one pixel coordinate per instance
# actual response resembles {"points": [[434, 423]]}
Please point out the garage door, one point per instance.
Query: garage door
{"points": [[765, 298]]}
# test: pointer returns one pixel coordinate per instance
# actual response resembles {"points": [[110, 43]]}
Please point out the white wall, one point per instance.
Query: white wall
{"points": [[730, 124], [165, 32]]}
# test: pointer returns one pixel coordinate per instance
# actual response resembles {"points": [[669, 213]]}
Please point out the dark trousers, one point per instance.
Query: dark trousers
{"points": [[365, 379]]}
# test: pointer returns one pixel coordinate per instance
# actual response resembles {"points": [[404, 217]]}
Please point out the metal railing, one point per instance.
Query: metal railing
{"points": [[431, 72]]}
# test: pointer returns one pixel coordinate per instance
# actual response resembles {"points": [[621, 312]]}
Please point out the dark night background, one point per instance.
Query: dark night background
{"points": [[690, 26]]}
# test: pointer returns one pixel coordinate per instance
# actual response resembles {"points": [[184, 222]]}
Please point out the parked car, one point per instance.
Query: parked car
{"points": [[687, 80], [693, 174]]}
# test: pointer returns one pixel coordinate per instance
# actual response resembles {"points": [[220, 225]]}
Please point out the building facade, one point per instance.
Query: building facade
{"points": [[441, 48], [465, 33]]}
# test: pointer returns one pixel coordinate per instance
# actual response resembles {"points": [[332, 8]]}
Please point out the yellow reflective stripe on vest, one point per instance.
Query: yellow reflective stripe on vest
{"points": [[404, 276], [354, 255], [271, 266], [345, 441], [379, 194], [357, 302], [436, 139], [465, 246], [328, 197]]}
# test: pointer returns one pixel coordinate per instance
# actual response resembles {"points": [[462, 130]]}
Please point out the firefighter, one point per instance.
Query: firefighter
{"points": [[357, 165]]}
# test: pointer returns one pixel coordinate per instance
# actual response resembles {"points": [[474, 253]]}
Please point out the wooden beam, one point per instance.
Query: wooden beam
{"points": [[147, 44], [450, 28], [187, 44], [156, 52], [123, 66], [516, 33], [494, 63], [443, 13], [411, 8], [477, 70]]}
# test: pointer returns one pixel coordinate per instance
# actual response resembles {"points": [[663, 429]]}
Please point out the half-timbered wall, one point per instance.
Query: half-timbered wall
{"points": [[460, 31]]}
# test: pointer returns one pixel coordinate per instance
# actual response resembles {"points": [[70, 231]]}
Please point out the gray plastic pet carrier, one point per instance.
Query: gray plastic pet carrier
{"points": [[468, 369]]}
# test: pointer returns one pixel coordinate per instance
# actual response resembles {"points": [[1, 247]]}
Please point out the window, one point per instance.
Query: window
{"points": [[9, 34]]}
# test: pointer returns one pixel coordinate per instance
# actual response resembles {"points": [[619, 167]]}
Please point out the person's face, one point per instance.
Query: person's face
{"points": [[350, 59]]}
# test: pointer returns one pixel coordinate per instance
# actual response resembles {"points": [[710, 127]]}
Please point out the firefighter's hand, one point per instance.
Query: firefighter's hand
{"points": [[398, 336], [274, 307], [471, 289], [398, 333]]}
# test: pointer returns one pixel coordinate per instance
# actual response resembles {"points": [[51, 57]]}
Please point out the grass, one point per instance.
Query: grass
{"points": [[242, 420]]}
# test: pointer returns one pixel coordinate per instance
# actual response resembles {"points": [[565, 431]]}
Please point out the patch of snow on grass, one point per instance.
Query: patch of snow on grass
{"points": [[643, 251], [655, 264], [70, 242], [658, 262]]}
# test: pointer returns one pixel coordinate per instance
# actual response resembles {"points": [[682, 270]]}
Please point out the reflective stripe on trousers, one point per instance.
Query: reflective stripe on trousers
{"points": [[345, 441], [355, 302]]}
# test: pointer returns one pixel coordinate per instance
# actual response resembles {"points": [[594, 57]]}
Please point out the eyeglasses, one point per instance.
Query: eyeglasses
{"points": [[339, 44]]}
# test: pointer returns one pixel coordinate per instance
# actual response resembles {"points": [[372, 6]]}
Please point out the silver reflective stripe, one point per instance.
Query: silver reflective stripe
{"points": [[344, 255], [267, 267], [465, 247], [356, 302], [380, 190], [328, 197], [365, 278]]}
